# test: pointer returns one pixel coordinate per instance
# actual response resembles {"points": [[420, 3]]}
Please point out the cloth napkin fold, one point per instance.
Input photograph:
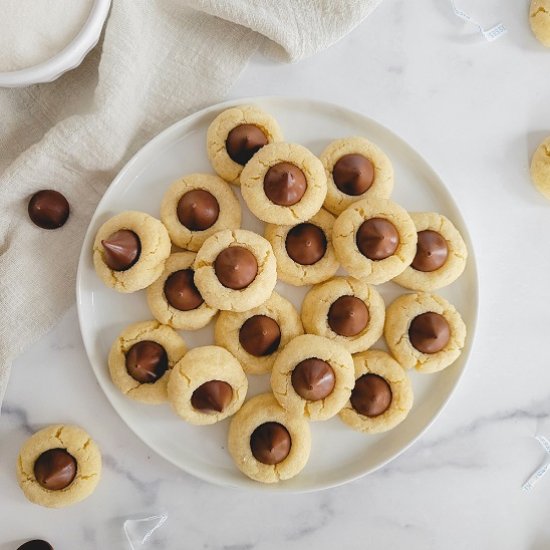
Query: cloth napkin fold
{"points": [[158, 61]]}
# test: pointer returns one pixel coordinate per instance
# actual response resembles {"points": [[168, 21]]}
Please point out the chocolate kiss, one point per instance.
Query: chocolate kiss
{"points": [[121, 249]]}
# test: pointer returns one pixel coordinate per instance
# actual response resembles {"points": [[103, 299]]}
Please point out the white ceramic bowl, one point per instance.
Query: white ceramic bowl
{"points": [[68, 58]]}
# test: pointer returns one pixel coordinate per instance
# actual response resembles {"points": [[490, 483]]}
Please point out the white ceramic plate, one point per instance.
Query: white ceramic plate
{"points": [[338, 453]]}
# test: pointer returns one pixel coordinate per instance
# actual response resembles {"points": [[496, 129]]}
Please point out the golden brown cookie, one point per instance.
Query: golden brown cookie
{"points": [[346, 310], [441, 254], [235, 135], [141, 358], [312, 376], [130, 250], [266, 443], [539, 19], [196, 207], [255, 337], [207, 385], [424, 332], [173, 298], [235, 270], [382, 396], [374, 240], [58, 466], [284, 184], [304, 251], [540, 166], [356, 169]]}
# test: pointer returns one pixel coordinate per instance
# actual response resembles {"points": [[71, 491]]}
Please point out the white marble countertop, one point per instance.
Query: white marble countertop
{"points": [[476, 111]]}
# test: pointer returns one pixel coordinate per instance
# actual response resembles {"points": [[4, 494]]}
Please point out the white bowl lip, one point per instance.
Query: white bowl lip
{"points": [[68, 58]]}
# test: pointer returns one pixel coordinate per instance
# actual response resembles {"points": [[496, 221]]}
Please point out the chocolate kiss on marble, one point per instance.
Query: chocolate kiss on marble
{"points": [[36, 544], [121, 250], [55, 469]]}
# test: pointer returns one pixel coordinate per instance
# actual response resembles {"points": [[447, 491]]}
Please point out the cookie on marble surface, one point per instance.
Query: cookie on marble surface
{"points": [[374, 240], [539, 19], [173, 298], [235, 270], [441, 254], [207, 385], [235, 135], [129, 251], [284, 184], [255, 337], [141, 358], [382, 396], [540, 168], [313, 377], [424, 331], [58, 466], [267, 443], [346, 310], [304, 252], [356, 169], [196, 207]]}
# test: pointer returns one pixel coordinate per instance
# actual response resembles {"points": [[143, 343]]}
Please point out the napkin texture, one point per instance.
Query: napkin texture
{"points": [[158, 61]]}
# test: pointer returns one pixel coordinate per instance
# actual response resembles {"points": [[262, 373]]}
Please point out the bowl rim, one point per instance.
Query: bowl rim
{"points": [[68, 58]]}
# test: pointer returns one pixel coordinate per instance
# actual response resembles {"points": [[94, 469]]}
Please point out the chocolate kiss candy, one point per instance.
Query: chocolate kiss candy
{"points": [[48, 209], [377, 239], [431, 251], [214, 396], [121, 250], [270, 443], [348, 316], [313, 379], [146, 361], [260, 335], [306, 243], [353, 174], [181, 292], [198, 210], [36, 545], [243, 142], [236, 267], [284, 184], [55, 469], [429, 332], [371, 395]]}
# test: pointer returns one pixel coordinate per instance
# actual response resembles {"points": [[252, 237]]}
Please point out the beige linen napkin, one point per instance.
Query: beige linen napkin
{"points": [[159, 60]]}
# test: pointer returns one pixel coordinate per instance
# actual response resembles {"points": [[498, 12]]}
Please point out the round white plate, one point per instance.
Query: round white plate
{"points": [[338, 453]]}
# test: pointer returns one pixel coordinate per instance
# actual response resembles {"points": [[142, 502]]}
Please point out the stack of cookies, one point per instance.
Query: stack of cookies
{"points": [[323, 216]]}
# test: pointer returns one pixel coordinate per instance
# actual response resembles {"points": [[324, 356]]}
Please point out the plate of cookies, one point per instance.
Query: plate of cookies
{"points": [[277, 293]]}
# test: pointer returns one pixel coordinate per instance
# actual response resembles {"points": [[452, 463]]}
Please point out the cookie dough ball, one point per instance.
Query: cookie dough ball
{"points": [[197, 206], [540, 168], [424, 332], [130, 250], [539, 19], [284, 184], [374, 240], [141, 358], [382, 396], [346, 310], [58, 466], [207, 385], [304, 251], [313, 377], [235, 270], [174, 299], [267, 443], [235, 135], [356, 169], [441, 254], [255, 337]]}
